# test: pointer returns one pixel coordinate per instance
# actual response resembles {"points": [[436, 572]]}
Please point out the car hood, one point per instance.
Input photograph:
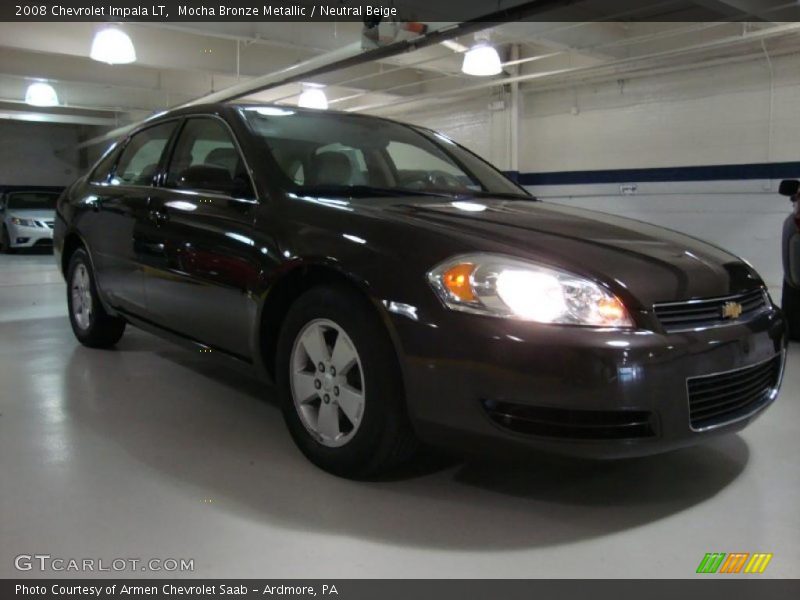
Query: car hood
{"points": [[32, 213], [641, 262]]}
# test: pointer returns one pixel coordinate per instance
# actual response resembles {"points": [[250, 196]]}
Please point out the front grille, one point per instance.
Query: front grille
{"points": [[568, 423], [693, 314], [723, 397]]}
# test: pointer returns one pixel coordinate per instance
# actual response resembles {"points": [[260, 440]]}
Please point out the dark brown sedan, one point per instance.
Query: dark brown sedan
{"points": [[400, 289]]}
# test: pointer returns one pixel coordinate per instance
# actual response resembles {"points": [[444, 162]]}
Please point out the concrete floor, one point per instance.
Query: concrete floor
{"points": [[150, 450]]}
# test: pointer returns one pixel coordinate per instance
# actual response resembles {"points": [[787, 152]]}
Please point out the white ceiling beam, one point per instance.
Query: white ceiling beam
{"points": [[54, 117]]}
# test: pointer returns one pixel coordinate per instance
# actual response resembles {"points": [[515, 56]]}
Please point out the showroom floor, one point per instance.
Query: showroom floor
{"points": [[152, 451]]}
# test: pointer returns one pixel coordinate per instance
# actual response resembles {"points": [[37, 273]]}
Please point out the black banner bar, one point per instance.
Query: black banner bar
{"points": [[397, 10], [711, 587]]}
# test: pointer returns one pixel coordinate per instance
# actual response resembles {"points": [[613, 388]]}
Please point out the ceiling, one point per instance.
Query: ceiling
{"points": [[179, 62]]}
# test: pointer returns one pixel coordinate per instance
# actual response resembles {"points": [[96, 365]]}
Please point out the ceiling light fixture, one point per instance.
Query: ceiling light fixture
{"points": [[482, 59], [312, 97], [41, 94], [112, 46]]}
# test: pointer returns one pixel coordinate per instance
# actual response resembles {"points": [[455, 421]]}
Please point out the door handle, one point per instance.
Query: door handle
{"points": [[94, 202], [158, 215]]}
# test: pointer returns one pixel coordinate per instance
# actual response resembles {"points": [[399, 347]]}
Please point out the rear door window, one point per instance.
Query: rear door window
{"points": [[206, 159], [102, 171], [138, 164]]}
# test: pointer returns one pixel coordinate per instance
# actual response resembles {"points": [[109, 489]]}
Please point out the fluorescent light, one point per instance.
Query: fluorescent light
{"points": [[313, 98], [482, 60], [454, 46], [41, 94], [112, 46]]}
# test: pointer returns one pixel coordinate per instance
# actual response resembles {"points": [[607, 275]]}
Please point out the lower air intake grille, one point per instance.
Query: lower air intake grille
{"points": [[574, 424], [709, 312], [717, 399]]}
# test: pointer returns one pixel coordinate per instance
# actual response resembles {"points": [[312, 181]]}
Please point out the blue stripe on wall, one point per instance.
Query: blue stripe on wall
{"points": [[784, 170]]}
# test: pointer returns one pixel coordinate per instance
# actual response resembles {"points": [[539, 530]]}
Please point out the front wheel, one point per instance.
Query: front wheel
{"points": [[790, 303], [91, 324], [342, 391]]}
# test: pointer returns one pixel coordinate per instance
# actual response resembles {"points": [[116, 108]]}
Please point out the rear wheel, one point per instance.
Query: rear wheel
{"points": [[341, 386], [790, 302], [91, 324], [5, 241]]}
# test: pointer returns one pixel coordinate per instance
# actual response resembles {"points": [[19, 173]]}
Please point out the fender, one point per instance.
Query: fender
{"points": [[337, 272], [73, 231]]}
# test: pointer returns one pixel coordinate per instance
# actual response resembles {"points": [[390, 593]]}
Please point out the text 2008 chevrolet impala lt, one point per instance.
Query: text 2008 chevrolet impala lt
{"points": [[400, 289]]}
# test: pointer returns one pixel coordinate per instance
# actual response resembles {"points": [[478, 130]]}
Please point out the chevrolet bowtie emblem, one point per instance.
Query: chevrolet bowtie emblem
{"points": [[731, 310]]}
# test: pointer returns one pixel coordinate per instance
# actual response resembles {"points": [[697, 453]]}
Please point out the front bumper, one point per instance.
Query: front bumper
{"points": [[604, 393], [22, 236]]}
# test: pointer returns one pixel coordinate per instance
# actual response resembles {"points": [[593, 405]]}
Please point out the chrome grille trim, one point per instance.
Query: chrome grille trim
{"points": [[702, 313]]}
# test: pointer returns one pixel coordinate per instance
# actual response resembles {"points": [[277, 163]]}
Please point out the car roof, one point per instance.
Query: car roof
{"points": [[229, 107]]}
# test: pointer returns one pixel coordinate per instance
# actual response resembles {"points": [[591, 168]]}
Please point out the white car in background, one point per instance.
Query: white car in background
{"points": [[27, 219]]}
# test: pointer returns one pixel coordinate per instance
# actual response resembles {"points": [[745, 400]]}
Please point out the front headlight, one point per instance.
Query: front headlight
{"points": [[502, 286], [22, 222]]}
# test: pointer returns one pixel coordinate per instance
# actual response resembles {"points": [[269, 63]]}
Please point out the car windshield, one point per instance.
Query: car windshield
{"points": [[355, 155], [32, 200]]}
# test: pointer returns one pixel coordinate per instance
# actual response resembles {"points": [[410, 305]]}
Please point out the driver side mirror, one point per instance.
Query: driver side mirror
{"points": [[789, 187]]}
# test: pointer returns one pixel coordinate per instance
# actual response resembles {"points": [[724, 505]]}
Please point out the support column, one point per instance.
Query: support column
{"points": [[514, 111]]}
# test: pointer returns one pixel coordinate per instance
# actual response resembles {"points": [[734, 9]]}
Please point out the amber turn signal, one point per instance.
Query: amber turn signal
{"points": [[611, 309], [456, 280]]}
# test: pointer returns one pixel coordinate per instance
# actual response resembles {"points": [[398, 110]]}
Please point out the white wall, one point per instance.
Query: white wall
{"points": [[730, 114], [718, 115], [747, 223], [28, 153]]}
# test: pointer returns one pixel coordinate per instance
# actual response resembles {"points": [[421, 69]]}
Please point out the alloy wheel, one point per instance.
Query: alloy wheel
{"points": [[80, 289], [327, 382]]}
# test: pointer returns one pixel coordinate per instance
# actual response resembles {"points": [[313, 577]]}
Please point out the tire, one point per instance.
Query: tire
{"points": [[790, 302], [380, 436], [5, 242], [91, 324]]}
